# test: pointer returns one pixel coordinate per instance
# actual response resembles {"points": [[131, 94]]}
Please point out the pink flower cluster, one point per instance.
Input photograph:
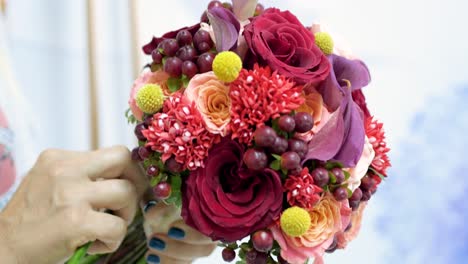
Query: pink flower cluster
{"points": [[259, 95], [179, 131]]}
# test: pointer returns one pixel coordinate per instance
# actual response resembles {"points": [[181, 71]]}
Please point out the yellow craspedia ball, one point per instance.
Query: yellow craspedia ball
{"points": [[227, 66], [150, 98], [325, 42], [295, 221]]}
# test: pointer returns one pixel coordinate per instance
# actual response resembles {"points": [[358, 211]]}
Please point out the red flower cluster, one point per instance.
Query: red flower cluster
{"points": [[376, 135], [179, 131], [301, 190], [257, 96]]}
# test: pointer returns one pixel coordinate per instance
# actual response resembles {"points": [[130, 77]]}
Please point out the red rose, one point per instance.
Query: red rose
{"points": [[279, 40], [227, 202]]}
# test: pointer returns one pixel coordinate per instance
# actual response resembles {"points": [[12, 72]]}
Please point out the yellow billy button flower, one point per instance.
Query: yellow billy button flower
{"points": [[295, 221], [227, 66], [325, 42], [150, 98]]}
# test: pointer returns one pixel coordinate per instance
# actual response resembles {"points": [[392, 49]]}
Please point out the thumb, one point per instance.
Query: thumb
{"points": [[159, 217]]}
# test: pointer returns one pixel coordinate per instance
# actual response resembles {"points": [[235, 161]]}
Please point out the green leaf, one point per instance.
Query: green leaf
{"points": [[381, 176], [284, 171], [155, 180], [332, 178], [185, 80], [333, 164], [174, 84], [275, 165], [347, 175], [277, 157], [176, 195], [233, 246], [131, 119], [241, 262], [245, 246], [242, 254], [350, 193]]}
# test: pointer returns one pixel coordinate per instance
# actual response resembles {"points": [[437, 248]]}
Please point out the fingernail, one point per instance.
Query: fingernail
{"points": [[153, 259], [176, 233], [157, 244], [149, 205]]}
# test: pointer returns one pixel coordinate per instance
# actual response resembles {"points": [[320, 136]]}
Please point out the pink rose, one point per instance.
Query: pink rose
{"points": [[212, 100], [328, 218], [358, 172], [343, 238], [158, 77]]}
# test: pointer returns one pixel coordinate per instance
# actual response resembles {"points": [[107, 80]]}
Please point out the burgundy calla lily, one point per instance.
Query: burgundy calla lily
{"points": [[226, 28]]}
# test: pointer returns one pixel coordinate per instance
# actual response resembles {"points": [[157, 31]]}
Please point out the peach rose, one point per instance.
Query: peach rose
{"points": [[158, 77], [358, 172], [211, 96], [343, 238], [328, 218]]}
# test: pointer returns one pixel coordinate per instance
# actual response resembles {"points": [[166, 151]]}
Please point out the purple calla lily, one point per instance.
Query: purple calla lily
{"points": [[342, 138], [243, 9], [226, 28]]}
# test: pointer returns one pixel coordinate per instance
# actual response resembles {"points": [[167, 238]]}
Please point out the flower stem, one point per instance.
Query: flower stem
{"points": [[79, 254]]}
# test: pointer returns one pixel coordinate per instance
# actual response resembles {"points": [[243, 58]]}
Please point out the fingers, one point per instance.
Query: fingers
{"points": [[158, 218], [115, 162], [116, 194], [162, 245], [108, 231], [180, 231], [156, 259]]}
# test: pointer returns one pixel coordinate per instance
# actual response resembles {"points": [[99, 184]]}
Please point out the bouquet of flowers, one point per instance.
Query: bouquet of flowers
{"points": [[256, 127]]}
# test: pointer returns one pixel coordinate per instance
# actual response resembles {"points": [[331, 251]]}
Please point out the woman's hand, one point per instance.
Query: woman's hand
{"points": [[171, 241], [58, 207]]}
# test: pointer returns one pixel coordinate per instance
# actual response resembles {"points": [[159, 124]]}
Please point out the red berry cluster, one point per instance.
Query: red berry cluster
{"points": [[268, 141], [186, 54]]}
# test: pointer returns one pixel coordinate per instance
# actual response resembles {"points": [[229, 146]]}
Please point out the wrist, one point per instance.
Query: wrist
{"points": [[7, 251]]}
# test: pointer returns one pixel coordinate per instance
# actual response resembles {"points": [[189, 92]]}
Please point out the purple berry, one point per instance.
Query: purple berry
{"points": [[138, 132], [173, 66], [304, 122], [203, 47], [339, 175], [136, 155], [367, 183], [286, 123], [187, 53], [149, 121], [280, 146], [202, 36], [173, 165], [321, 177], [162, 190], [255, 159], [298, 146], [259, 9], [156, 56], [144, 152], [170, 47], [366, 195], [340, 194], [189, 69], [215, 4], [265, 136], [184, 37], [262, 240], [204, 18], [354, 205], [228, 254], [290, 160], [357, 195], [152, 170], [205, 62]]}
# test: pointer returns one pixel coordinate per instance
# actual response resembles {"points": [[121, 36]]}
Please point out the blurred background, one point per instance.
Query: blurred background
{"points": [[71, 65]]}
